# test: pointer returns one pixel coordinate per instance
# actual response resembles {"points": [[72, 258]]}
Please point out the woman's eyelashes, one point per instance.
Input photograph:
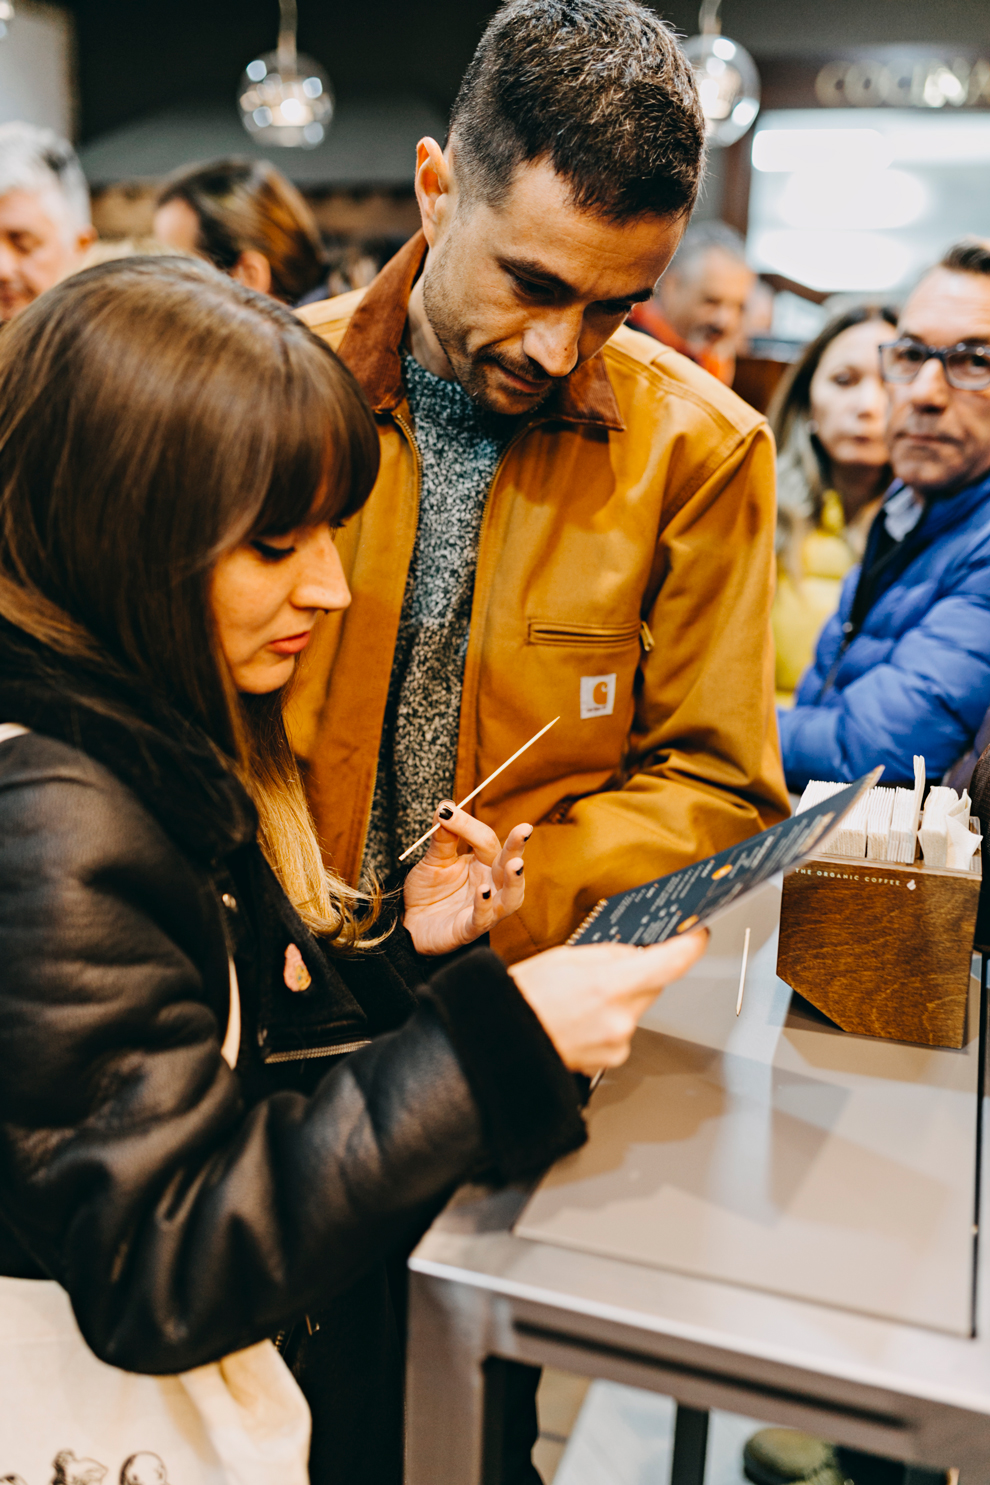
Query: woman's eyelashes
{"points": [[272, 553]]}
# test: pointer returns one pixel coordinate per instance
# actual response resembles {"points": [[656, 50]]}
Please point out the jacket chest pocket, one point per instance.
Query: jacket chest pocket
{"points": [[583, 636], [591, 668]]}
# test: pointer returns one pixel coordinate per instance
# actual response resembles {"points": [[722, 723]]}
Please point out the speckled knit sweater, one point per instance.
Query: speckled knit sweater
{"points": [[459, 446]]}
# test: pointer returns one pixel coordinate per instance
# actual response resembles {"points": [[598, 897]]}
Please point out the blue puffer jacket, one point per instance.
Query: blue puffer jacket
{"points": [[916, 677]]}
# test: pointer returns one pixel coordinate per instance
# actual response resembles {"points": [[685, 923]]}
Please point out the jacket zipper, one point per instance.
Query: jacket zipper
{"points": [[516, 438], [302, 1054], [485, 517], [410, 438]]}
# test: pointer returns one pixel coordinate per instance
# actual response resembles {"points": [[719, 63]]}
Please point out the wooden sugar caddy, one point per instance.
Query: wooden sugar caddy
{"points": [[881, 948]]}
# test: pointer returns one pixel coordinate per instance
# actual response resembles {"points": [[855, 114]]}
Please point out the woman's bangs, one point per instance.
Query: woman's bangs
{"points": [[325, 458]]}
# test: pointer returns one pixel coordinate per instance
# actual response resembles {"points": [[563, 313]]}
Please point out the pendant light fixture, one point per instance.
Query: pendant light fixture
{"points": [[6, 16], [285, 98], [728, 82]]}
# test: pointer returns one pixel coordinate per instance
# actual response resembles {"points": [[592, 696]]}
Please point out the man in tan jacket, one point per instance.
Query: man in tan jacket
{"points": [[570, 518]]}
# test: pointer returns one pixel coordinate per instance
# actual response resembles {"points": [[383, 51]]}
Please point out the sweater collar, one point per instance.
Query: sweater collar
{"points": [[942, 512], [167, 761], [371, 350]]}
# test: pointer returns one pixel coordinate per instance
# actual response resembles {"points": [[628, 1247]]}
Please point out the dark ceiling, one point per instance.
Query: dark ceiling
{"points": [[138, 56]]}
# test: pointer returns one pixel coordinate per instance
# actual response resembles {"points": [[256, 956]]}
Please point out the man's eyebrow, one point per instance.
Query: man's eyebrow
{"points": [[529, 268], [966, 340]]}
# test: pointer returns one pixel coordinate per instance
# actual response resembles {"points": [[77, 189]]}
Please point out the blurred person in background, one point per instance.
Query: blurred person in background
{"points": [[699, 304], [354, 264], [244, 217], [829, 417], [757, 320], [45, 223], [904, 666]]}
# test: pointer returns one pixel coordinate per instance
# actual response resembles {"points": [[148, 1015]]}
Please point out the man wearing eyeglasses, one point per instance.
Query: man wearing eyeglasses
{"points": [[904, 666]]}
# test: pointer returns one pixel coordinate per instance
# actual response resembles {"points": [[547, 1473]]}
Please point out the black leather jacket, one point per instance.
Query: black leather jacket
{"points": [[190, 1210]]}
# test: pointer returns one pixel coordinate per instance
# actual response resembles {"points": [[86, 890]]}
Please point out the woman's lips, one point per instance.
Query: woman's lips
{"points": [[292, 645]]}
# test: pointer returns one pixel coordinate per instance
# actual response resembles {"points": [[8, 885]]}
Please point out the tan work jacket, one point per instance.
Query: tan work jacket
{"points": [[624, 581]]}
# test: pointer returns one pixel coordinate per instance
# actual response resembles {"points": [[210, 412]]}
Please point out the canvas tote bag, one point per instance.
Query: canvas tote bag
{"points": [[67, 1418]]}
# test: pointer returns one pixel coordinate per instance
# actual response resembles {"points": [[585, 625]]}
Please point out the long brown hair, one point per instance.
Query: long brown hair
{"points": [[154, 414], [242, 203], [803, 469]]}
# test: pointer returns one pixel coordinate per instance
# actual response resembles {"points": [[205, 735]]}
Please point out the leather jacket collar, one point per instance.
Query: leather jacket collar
{"points": [[374, 338], [167, 761]]}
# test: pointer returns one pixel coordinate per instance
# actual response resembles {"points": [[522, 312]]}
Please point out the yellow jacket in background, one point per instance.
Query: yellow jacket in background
{"points": [[624, 580], [806, 600]]}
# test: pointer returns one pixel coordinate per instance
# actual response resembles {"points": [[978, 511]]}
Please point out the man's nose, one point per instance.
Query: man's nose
{"points": [[9, 264], [930, 388], [554, 342], [322, 583]]}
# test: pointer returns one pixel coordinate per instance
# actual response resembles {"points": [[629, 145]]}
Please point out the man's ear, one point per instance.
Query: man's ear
{"points": [[434, 184], [254, 271], [85, 238]]}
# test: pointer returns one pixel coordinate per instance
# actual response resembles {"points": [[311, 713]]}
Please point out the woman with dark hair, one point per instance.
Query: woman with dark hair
{"points": [[234, 1089], [829, 418], [246, 219]]}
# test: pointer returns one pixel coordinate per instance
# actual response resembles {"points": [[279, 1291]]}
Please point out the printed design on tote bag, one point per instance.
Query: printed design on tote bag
{"points": [[72, 1471], [144, 1468], [597, 695]]}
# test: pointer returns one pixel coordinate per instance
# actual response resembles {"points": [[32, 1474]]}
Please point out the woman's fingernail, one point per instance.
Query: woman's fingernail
{"points": [[519, 871], [446, 812], [527, 836], [487, 894]]}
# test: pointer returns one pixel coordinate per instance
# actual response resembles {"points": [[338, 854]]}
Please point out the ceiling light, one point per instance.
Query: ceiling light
{"points": [[284, 97], [727, 79]]}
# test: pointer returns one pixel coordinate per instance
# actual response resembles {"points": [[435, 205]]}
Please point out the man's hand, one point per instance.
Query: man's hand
{"points": [[453, 896]]}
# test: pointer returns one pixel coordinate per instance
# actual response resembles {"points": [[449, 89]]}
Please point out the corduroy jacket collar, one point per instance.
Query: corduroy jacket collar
{"points": [[373, 340]]}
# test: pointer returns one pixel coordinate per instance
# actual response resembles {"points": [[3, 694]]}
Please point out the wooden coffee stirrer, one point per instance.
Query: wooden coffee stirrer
{"points": [[483, 785]]}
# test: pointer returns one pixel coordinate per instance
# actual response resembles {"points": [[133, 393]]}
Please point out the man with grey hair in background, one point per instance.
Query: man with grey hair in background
{"points": [[45, 223], [698, 305]]}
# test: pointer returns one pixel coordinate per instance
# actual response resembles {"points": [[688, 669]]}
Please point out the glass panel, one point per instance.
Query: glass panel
{"points": [[863, 199]]}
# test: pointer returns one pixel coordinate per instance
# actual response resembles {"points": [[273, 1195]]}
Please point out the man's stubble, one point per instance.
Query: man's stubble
{"points": [[447, 323]]}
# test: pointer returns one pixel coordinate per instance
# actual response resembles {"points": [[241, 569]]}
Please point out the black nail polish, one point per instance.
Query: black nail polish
{"points": [[487, 894], [519, 871], [445, 813]]}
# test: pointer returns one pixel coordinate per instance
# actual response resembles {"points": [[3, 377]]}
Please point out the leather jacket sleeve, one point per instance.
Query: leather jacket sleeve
{"points": [[182, 1224]]}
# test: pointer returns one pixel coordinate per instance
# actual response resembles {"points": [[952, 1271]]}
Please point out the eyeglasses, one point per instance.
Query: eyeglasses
{"points": [[966, 367]]}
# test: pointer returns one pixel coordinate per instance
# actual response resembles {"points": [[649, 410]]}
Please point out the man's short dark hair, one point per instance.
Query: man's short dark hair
{"points": [[600, 89], [971, 255]]}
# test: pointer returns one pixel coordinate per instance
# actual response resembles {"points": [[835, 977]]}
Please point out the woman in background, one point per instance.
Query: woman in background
{"points": [[829, 418], [247, 220]]}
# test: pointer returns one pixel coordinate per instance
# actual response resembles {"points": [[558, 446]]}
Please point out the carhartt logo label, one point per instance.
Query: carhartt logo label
{"points": [[597, 695]]}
